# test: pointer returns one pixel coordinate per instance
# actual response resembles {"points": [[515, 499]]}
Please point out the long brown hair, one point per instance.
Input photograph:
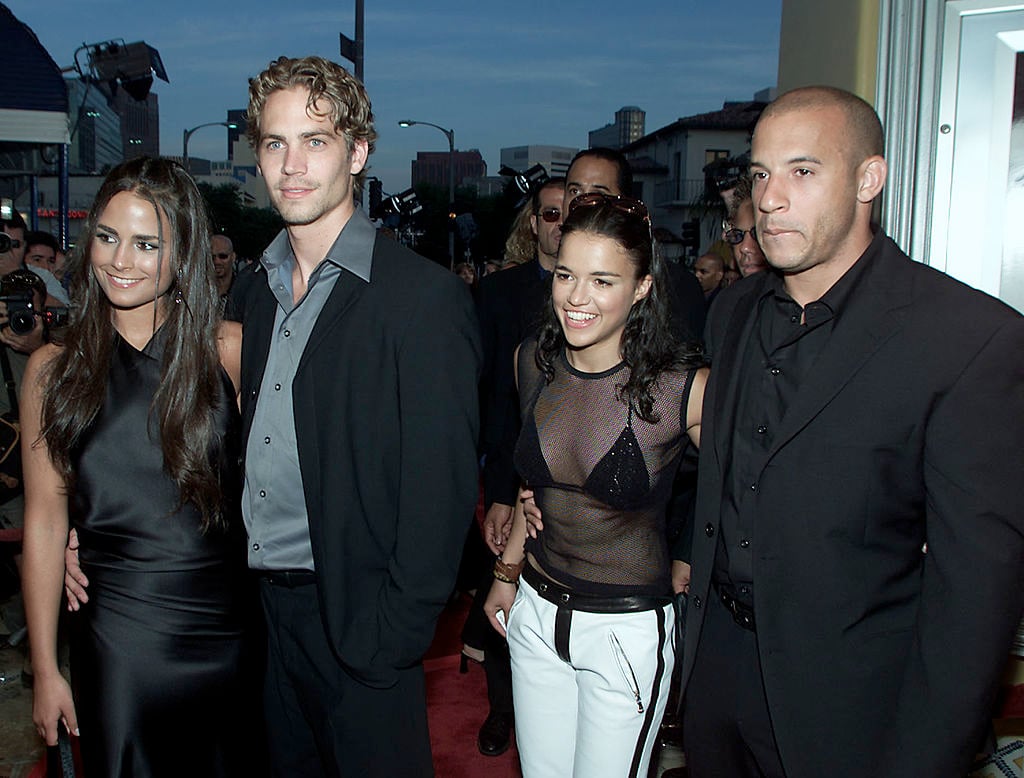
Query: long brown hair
{"points": [[76, 380]]}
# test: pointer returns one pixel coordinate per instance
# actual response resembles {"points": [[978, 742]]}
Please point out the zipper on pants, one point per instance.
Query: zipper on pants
{"points": [[627, 670]]}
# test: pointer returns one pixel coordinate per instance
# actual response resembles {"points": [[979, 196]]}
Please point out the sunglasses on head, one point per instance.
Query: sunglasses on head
{"points": [[550, 215], [735, 236], [620, 203], [224, 255]]}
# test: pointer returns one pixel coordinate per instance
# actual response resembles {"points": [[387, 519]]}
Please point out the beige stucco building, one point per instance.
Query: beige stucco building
{"points": [[947, 78]]}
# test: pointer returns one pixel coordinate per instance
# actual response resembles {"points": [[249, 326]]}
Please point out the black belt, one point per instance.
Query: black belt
{"points": [[288, 578], [589, 603], [742, 613]]}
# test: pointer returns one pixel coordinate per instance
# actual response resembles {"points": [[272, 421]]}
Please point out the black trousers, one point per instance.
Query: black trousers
{"points": [[497, 665], [727, 729], [323, 722]]}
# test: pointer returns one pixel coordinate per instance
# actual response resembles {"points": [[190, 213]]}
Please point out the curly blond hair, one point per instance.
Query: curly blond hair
{"points": [[521, 244], [348, 104]]}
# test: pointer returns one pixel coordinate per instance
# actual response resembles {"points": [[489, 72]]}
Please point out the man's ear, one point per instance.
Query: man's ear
{"points": [[360, 153], [871, 178]]}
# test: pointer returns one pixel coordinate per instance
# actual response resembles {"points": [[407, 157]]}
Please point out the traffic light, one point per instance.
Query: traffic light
{"points": [[691, 235], [376, 197]]}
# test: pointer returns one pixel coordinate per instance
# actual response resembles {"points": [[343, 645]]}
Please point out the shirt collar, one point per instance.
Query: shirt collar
{"points": [[351, 250], [838, 295]]}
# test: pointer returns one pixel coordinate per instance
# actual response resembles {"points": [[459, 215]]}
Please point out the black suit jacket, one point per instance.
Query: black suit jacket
{"points": [[878, 659], [509, 309], [386, 421]]}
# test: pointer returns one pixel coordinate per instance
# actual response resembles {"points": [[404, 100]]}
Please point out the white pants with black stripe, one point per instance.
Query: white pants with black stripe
{"points": [[598, 713]]}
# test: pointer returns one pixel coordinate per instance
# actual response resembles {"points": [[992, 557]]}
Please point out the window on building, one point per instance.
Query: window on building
{"points": [[711, 155]]}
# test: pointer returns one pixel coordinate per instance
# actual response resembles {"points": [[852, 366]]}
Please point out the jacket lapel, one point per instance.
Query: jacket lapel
{"points": [[256, 334], [874, 314], [345, 292], [725, 364], [347, 289]]}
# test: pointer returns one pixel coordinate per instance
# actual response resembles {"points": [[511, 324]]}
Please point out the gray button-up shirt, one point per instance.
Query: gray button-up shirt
{"points": [[273, 500]]}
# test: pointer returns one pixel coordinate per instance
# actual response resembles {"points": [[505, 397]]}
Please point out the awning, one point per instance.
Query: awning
{"points": [[34, 98]]}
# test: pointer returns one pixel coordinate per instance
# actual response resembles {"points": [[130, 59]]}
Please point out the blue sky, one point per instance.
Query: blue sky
{"points": [[499, 73]]}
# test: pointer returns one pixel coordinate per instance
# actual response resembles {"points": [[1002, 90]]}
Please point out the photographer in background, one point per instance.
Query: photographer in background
{"points": [[23, 329], [12, 248], [41, 251]]}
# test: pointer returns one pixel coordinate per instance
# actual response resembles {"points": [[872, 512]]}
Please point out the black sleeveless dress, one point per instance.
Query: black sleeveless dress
{"points": [[157, 652]]}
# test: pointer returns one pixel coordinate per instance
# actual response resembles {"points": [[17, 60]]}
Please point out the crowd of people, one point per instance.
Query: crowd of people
{"points": [[787, 489]]}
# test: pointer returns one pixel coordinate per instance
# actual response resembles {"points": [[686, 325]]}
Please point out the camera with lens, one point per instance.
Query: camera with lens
{"points": [[21, 314], [18, 290]]}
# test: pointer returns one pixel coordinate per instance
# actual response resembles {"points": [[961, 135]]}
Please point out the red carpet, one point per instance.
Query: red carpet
{"points": [[457, 706]]}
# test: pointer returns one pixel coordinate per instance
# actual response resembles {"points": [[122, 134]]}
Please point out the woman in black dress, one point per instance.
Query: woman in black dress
{"points": [[131, 437]]}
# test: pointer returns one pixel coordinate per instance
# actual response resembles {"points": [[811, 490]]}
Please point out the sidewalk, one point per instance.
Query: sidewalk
{"points": [[20, 746]]}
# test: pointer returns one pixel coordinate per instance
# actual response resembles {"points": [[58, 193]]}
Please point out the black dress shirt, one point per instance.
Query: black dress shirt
{"points": [[781, 352]]}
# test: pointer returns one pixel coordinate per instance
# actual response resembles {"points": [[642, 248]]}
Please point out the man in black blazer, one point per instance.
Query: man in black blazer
{"points": [[857, 552], [509, 309], [359, 404]]}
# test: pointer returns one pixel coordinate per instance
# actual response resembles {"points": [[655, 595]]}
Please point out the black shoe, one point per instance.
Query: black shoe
{"points": [[495, 734]]}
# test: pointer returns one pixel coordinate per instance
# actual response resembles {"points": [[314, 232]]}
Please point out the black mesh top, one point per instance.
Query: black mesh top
{"points": [[602, 476]]}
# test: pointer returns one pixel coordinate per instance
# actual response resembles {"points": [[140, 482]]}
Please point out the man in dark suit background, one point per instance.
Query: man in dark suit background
{"points": [[509, 308], [359, 405], [860, 406]]}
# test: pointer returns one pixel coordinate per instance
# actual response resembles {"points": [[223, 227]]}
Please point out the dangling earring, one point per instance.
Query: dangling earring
{"points": [[178, 297]]}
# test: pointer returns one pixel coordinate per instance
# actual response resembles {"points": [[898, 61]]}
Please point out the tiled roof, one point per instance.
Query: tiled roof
{"points": [[646, 164], [732, 116]]}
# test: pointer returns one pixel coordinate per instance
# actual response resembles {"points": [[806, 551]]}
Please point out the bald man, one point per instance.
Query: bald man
{"points": [[222, 251], [710, 271], [848, 422]]}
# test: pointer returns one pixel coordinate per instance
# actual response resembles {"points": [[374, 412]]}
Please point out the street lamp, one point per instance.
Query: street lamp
{"points": [[188, 134], [450, 134]]}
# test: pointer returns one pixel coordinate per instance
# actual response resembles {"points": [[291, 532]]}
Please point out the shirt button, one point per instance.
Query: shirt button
{"points": [[761, 429], [753, 487], [709, 530], [744, 590], [744, 543], [697, 602], [287, 333], [794, 319], [775, 371], [255, 546], [267, 441], [277, 387], [263, 492]]}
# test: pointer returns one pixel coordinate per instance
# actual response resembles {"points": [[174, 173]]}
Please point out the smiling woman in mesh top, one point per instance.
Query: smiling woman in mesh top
{"points": [[609, 403]]}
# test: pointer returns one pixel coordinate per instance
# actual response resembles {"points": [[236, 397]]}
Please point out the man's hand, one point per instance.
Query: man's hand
{"points": [[24, 344], [533, 522], [496, 527], [680, 577], [75, 581]]}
